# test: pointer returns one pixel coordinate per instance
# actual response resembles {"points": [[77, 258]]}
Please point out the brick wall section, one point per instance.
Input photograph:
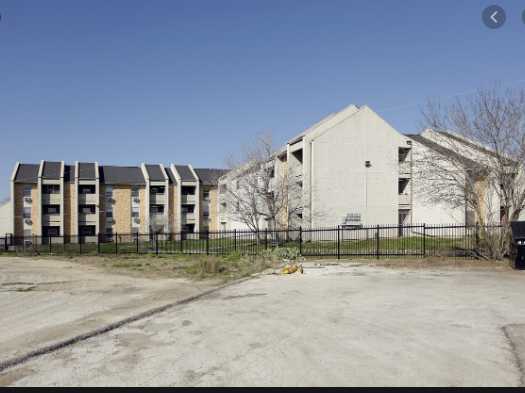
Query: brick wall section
{"points": [[35, 210], [70, 209], [122, 209], [214, 213], [102, 208], [19, 202], [171, 210], [143, 207]]}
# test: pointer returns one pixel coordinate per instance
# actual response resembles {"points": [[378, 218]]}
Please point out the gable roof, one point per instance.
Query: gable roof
{"points": [[301, 135], [185, 173], [86, 171], [125, 175], [51, 170], [468, 143], [467, 162], [27, 173], [171, 176], [155, 172], [209, 176]]}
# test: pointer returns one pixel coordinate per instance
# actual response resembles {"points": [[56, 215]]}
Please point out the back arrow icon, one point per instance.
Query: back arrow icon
{"points": [[493, 17]]}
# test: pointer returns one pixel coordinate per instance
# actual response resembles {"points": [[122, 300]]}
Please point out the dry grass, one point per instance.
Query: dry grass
{"points": [[196, 267]]}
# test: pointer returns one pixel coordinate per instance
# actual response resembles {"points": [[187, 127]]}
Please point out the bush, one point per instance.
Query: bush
{"points": [[281, 253]]}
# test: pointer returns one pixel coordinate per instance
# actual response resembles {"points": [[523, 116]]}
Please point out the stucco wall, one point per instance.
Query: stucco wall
{"points": [[336, 181], [5, 219]]}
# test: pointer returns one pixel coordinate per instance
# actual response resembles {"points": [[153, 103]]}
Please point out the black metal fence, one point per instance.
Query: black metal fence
{"points": [[372, 241]]}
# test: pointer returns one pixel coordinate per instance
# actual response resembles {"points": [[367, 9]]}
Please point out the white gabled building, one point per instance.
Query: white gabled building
{"points": [[352, 168]]}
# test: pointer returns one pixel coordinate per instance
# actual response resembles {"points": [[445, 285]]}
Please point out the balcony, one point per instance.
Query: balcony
{"points": [[87, 199], [188, 198], [51, 199], [405, 169], [188, 218], [157, 199], [404, 199], [49, 219], [87, 217]]}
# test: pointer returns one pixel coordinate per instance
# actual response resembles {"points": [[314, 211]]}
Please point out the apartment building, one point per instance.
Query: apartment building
{"points": [[56, 199], [351, 169], [428, 147]]}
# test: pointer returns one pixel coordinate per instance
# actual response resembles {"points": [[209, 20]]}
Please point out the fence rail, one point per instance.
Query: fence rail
{"points": [[372, 241]]}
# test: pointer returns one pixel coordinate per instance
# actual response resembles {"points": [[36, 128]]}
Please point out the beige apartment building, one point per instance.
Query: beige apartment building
{"points": [[56, 199]]}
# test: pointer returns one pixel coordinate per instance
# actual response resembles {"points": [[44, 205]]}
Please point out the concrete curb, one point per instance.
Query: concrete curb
{"points": [[9, 363]]}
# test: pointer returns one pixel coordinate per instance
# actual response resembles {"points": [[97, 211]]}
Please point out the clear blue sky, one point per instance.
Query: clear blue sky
{"points": [[123, 82]]}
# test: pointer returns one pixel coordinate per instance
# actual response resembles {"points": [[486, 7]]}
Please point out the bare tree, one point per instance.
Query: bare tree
{"points": [[482, 166], [257, 187]]}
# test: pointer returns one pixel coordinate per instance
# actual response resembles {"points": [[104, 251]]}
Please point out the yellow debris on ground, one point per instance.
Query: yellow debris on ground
{"points": [[290, 269]]}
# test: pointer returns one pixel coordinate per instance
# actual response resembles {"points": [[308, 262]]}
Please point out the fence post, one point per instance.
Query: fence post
{"points": [[116, 243], [98, 243], [207, 242], [181, 244], [377, 242], [137, 241], [266, 238], [5, 243], [300, 240], [424, 240], [477, 236], [50, 241], [338, 244], [156, 244], [235, 239]]}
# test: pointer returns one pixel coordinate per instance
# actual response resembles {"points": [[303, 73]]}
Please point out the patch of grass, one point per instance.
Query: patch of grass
{"points": [[197, 266]]}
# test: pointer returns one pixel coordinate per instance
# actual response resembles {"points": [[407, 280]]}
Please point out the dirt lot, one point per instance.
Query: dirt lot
{"points": [[348, 324]]}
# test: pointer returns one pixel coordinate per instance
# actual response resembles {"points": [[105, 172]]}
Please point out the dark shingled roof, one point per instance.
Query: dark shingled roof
{"points": [[444, 151], [185, 173], [86, 171], [125, 175], [155, 173], [170, 174], [209, 176], [51, 170], [27, 173]]}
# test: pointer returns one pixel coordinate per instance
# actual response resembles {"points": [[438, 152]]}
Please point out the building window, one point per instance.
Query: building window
{"points": [[51, 189], [157, 190], [188, 190], [109, 191], [157, 209], [135, 192], [51, 209], [27, 191], [135, 214], [206, 195], [86, 189], [109, 214], [50, 231], [27, 233], [87, 209], [188, 209], [26, 213], [86, 230]]}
